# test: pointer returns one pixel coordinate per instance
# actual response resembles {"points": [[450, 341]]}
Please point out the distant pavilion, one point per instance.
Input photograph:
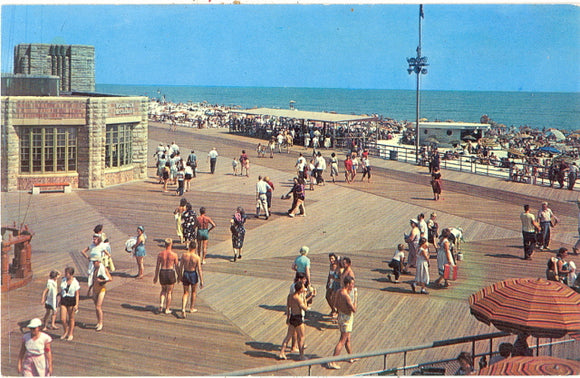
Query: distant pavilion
{"points": [[323, 120]]}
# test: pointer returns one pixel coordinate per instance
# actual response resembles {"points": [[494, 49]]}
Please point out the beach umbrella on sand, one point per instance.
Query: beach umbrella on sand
{"points": [[532, 306], [469, 137], [539, 365], [550, 150], [556, 133], [515, 152]]}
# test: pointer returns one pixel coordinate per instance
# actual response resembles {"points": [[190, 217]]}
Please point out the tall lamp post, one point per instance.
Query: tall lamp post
{"points": [[417, 65]]}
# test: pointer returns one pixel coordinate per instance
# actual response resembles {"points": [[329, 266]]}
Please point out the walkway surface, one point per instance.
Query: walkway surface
{"points": [[240, 323]]}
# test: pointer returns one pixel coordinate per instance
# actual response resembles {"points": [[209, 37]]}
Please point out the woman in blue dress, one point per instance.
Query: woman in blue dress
{"points": [[139, 250]]}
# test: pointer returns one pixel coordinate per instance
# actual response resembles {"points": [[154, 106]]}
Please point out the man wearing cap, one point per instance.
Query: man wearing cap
{"points": [[302, 264], [35, 357], [167, 262]]}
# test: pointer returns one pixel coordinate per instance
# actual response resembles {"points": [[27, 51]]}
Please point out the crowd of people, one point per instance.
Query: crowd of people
{"points": [[193, 231]]}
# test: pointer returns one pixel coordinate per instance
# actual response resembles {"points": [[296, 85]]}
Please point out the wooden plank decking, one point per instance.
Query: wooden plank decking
{"points": [[240, 323]]}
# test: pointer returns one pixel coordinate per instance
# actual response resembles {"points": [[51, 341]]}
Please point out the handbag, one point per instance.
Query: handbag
{"points": [[553, 222], [448, 275]]}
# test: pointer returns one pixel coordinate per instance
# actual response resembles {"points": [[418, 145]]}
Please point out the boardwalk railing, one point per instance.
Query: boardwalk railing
{"points": [[519, 172], [402, 370]]}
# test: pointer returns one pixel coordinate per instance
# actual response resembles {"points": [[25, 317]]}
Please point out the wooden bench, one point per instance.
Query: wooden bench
{"points": [[64, 185]]}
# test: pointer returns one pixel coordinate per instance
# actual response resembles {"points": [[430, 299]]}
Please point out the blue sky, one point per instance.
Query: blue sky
{"points": [[470, 47]]}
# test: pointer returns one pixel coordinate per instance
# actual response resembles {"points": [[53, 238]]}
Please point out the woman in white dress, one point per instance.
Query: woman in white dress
{"points": [[422, 272]]}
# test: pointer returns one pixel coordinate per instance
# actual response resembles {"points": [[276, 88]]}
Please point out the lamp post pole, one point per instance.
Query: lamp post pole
{"points": [[417, 65]]}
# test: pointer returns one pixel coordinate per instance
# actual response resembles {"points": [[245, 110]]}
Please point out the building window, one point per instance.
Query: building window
{"points": [[119, 146], [48, 149], [449, 132]]}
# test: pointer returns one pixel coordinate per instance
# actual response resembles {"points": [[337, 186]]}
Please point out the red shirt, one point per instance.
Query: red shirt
{"points": [[348, 164]]}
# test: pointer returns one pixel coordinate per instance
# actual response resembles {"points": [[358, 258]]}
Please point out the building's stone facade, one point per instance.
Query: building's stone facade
{"points": [[90, 116], [74, 64]]}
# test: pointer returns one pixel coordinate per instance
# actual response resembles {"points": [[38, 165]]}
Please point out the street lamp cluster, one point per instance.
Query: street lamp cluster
{"points": [[417, 65]]}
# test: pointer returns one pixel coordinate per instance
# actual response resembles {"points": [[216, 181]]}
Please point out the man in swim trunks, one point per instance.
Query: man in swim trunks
{"points": [[203, 229], [167, 261], [346, 307], [190, 274], [295, 308]]}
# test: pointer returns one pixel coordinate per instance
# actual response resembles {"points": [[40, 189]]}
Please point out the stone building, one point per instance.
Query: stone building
{"points": [[87, 140], [74, 64]]}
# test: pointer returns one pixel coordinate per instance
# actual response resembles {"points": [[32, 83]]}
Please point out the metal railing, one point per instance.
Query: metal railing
{"points": [[519, 172], [308, 364]]}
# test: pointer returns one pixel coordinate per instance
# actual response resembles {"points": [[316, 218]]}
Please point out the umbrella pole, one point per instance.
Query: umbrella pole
{"points": [[537, 346]]}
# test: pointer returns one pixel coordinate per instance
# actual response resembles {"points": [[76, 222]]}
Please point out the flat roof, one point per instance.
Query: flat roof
{"points": [[452, 125], [301, 114]]}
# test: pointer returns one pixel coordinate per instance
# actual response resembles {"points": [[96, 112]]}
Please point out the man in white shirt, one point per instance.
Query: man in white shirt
{"points": [[320, 167], [262, 188], [212, 157], [529, 227], [300, 165]]}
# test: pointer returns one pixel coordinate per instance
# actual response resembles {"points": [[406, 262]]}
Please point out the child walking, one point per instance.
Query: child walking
{"points": [[49, 300], [235, 166]]}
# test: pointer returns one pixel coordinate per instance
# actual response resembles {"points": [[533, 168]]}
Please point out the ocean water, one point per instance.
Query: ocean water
{"points": [[537, 110]]}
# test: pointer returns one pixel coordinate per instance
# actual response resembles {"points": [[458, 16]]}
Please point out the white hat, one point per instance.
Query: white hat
{"points": [[304, 250], [34, 323], [414, 221]]}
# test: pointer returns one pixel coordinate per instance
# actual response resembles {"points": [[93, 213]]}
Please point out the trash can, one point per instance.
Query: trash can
{"points": [[393, 154]]}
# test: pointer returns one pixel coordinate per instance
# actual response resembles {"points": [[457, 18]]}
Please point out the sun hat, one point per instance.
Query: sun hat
{"points": [[34, 323], [304, 250], [414, 221], [141, 228]]}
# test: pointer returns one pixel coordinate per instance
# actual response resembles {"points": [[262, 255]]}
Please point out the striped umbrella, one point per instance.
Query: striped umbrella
{"points": [[533, 306], [542, 365]]}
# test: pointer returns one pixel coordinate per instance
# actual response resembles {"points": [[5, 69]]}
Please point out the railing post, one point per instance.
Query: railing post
{"points": [[384, 362], [490, 348], [405, 363], [309, 370], [473, 353]]}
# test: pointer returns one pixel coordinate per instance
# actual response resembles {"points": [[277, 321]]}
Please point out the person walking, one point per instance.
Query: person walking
{"points": [[139, 251], [346, 304], [436, 184], [366, 167], [295, 309], [529, 228], [49, 300], [35, 357], [165, 272], [302, 264], [262, 188], [413, 242], [203, 228], [269, 192], [101, 276], [189, 272], [212, 157], [69, 302], [333, 166], [298, 191], [444, 257], [192, 162], [177, 214], [189, 223], [422, 272], [572, 175], [547, 220], [238, 231]]}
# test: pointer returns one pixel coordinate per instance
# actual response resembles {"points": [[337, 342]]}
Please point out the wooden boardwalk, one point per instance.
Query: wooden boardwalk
{"points": [[240, 322]]}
